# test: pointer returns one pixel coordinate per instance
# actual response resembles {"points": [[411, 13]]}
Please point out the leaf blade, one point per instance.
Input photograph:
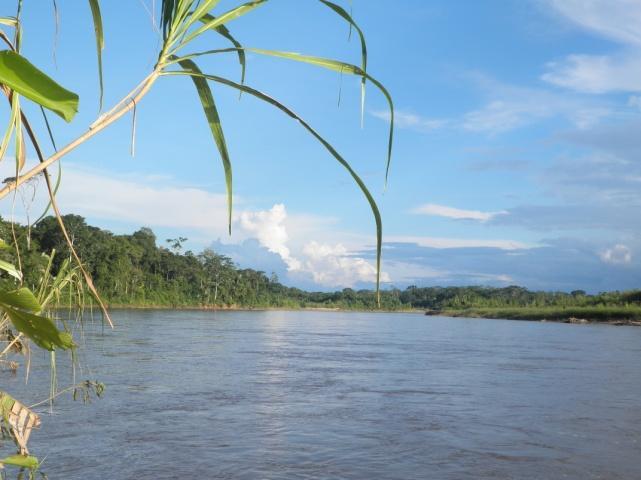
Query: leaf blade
{"points": [[326, 144], [341, 67], [224, 18], [22, 299], [224, 31], [100, 42], [18, 74], [348, 18], [211, 113], [41, 330]]}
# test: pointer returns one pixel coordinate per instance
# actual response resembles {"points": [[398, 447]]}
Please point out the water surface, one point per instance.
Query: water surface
{"points": [[315, 395]]}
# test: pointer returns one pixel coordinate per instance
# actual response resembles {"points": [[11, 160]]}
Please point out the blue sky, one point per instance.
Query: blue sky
{"points": [[516, 158]]}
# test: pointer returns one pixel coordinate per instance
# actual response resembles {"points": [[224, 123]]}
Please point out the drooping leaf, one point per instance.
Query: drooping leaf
{"points": [[342, 68], [211, 112], [22, 299], [6, 138], [100, 41], [41, 330], [370, 199], [343, 13], [224, 31], [328, 63], [18, 74], [10, 269]]}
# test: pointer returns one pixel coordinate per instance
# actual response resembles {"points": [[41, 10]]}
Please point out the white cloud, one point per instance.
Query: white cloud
{"points": [[102, 196], [329, 265], [451, 212], [411, 121], [597, 73], [444, 242], [267, 226], [144, 201], [619, 254], [618, 20], [333, 266]]}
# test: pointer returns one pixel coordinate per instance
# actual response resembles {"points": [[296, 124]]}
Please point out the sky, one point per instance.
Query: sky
{"points": [[517, 154]]}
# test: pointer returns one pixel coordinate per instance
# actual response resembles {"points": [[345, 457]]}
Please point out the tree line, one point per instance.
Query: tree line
{"points": [[133, 270]]}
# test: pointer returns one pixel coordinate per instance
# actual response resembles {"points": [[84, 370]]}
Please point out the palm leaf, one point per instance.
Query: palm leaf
{"points": [[325, 143]]}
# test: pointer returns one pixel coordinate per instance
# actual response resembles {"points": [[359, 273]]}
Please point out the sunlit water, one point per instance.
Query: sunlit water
{"points": [[315, 395]]}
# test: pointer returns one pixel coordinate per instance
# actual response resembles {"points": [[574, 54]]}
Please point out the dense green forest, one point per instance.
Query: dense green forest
{"points": [[134, 270]]}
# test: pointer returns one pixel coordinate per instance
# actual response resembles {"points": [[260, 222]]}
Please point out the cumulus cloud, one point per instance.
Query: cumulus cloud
{"points": [[333, 265], [267, 226], [456, 213], [329, 265], [619, 254]]}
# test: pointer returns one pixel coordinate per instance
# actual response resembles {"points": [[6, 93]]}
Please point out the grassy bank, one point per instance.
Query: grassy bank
{"points": [[624, 315]]}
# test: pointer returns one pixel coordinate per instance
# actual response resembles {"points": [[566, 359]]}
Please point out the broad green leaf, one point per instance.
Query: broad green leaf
{"points": [[17, 73], [343, 13], [325, 143], [23, 461], [10, 269], [209, 106], [41, 330], [100, 40], [223, 31], [223, 19], [22, 299]]}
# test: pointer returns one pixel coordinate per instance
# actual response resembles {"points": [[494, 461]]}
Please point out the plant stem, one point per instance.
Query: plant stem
{"points": [[96, 127]]}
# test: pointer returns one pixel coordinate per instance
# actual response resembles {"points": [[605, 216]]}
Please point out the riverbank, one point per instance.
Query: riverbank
{"points": [[629, 315], [240, 308]]}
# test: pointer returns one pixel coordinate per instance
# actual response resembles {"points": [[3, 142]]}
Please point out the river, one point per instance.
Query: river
{"points": [[329, 395]]}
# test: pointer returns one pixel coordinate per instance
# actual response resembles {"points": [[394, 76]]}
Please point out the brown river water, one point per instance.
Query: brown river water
{"points": [[329, 395]]}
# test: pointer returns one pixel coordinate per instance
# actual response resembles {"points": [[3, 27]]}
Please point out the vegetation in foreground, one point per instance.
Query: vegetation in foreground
{"points": [[133, 271]]}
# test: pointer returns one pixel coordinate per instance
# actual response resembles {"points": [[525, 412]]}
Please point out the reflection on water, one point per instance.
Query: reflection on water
{"points": [[290, 395]]}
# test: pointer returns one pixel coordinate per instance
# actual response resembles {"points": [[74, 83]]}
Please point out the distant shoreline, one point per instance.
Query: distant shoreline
{"points": [[259, 309], [630, 316]]}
